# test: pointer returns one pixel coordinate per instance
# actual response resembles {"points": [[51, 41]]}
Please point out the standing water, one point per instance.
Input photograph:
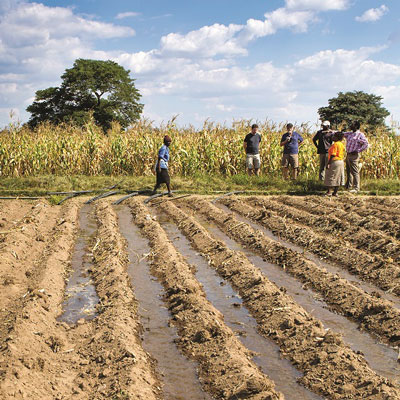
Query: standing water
{"points": [[180, 381], [80, 294], [381, 358], [229, 303]]}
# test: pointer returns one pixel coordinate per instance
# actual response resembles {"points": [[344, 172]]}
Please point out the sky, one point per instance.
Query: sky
{"points": [[221, 60]]}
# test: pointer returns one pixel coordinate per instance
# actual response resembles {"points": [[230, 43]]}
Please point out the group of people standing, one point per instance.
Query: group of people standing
{"points": [[329, 146], [331, 152]]}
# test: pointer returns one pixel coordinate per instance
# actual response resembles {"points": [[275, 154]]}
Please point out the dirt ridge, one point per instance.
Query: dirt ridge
{"points": [[116, 365], [376, 316], [33, 363], [330, 367], [225, 366], [330, 224], [354, 213], [369, 267]]}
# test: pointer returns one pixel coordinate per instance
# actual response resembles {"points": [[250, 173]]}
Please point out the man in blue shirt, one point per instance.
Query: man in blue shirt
{"points": [[291, 141], [162, 166]]}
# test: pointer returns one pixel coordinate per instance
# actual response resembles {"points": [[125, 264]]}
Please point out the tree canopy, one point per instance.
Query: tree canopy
{"points": [[103, 89], [355, 106]]}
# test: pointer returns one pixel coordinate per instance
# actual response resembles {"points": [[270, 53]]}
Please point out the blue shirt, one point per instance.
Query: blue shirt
{"points": [[163, 154], [293, 146]]}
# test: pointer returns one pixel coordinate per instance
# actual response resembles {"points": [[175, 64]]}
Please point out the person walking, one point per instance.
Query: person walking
{"points": [[162, 166], [356, 143], [335, 165], [291, 141], [323, 141], [251, 146]]}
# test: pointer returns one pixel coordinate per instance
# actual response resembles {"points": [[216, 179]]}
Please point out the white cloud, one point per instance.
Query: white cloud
{"points": [[193, 71], [128, 14], [207, 41], [317, 5], [373, 14]]}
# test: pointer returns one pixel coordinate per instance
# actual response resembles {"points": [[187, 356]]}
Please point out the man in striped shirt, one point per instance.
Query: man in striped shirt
{"points": [[356, 143]]}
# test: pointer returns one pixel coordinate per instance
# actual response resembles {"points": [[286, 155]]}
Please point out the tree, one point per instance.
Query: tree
{"points": [[355, 106], [103, 89]]}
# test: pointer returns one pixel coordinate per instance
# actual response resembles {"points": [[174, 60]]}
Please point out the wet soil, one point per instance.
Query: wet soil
{"points": [[381, 358], [225, 366], [302, 339], [178, 375], [220, 293], [224, 313], [367, 266], [81, 297]]}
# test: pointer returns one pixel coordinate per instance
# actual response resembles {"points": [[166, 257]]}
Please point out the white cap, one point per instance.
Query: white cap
{"points": [[326, 123]]}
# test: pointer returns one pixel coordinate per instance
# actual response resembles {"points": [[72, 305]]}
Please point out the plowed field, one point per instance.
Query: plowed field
{"points": [[241, 298]]}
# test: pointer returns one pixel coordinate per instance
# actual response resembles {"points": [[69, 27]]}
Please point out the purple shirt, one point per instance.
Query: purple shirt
{"points": [[355, 142]]}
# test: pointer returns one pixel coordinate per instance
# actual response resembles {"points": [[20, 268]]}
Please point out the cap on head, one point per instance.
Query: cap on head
{"points": [[326, 123]]}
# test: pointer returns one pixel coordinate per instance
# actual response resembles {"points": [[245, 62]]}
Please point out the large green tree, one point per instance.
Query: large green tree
{"points": [[103, 89], [355, 106]]}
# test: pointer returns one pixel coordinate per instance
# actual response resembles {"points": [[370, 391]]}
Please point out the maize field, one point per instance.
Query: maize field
{"points": [[212, 149]]}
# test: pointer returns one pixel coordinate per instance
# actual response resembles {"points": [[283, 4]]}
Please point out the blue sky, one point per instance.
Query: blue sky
{"points": [[220, 59]]}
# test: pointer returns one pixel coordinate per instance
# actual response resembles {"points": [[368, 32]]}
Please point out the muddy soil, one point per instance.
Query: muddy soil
{"points": [[357, 213], [363, 206], [330, 368], [104, 357], [371, 241], [225, 366], [374, 315], [370, 267], [42, 358]]}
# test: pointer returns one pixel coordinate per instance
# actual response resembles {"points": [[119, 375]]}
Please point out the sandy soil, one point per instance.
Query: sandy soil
{"points": [[335, 372], [103, 357]]}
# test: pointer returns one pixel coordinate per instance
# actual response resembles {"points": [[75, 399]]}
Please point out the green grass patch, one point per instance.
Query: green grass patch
{"points": [[201, 184]]}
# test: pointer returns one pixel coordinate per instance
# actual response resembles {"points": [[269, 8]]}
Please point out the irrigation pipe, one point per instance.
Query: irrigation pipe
{"points": [[119, 201], [102, 196]]}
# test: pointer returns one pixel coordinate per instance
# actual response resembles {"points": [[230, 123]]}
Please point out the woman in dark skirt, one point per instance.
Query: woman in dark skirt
{"points": [[162, 166]]}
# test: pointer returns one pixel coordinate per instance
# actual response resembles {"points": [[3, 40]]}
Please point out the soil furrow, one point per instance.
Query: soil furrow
{"points": [[390, 203], [178, 374], [356, 215], [364, 206], [376, 316], [115, 365], [22, 260], [332, 225], [225, 366], [330, 368], [36, 360], [221, 294], [371, 268], [21, 249]]}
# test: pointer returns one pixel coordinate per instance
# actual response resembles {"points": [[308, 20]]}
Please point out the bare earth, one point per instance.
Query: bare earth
{"points": [[104, 357]]}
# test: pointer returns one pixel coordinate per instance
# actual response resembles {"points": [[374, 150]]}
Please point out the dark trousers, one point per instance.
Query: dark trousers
{"points": [[323, 161], [353, 171]]}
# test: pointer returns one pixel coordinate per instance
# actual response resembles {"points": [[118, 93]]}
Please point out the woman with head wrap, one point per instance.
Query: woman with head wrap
{"points": [[162, 166]]}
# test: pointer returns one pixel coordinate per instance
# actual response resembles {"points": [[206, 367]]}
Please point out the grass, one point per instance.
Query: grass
{"points": [[200, 184]]}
